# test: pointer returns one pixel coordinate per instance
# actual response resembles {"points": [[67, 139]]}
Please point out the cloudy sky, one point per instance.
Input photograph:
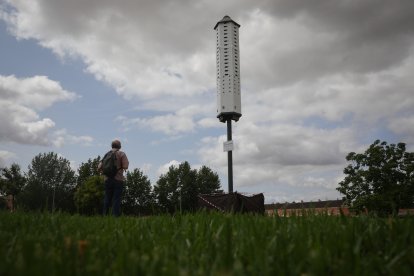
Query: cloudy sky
{"points": [[319, 78]]}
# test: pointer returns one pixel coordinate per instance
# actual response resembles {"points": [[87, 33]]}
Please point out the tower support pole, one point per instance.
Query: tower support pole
{"points": [[230, 158]]}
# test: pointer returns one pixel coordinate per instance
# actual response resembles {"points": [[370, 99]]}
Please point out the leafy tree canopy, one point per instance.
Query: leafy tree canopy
{"points": [[138, 198], [179, 187], [380, 180], [208, 181], [12, 182], [50, 184], [89, 195], [88, 169]]}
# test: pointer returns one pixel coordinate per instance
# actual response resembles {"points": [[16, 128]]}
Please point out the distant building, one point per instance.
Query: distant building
{"points": [[330, 207]]}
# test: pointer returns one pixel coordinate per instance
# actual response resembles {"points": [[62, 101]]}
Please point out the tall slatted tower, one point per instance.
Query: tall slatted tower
{"points": [[228, 70], [228, 82]]}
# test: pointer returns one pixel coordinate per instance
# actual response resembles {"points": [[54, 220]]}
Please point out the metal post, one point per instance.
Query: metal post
{"points": [[230, 158]]}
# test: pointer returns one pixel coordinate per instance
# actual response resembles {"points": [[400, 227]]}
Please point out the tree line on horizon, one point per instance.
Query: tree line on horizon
{"points": [[378, 181], [50, 184]]}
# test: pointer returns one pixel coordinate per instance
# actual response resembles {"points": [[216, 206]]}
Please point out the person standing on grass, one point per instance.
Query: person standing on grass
{"points": [[116, 162]]}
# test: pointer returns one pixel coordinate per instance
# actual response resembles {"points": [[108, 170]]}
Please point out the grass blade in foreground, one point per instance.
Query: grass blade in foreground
{"points": [[204, 244]]}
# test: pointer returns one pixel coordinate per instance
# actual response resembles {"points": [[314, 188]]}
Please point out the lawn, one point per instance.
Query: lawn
{"points": [[205, 244]]}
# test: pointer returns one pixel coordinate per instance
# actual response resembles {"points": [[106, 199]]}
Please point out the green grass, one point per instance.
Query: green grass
{"points": [[204, 244]]}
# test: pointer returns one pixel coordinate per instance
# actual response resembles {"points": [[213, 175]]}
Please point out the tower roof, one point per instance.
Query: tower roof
{"points": [[226, 19]]}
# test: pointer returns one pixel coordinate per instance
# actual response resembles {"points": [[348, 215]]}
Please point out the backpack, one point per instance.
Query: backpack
{"points": [[109, 167]]}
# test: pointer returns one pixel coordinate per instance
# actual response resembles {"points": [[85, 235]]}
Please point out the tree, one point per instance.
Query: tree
{"points": [[380, 180], [89, 195], [178, 189], [12, 181], [208, 181], [88, 169], [166, 191], [188, 187], [89, 190], [50, 184], [138, 198]]}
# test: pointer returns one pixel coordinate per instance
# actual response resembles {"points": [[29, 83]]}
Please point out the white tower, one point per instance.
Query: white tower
{"points": [[228, 70]]}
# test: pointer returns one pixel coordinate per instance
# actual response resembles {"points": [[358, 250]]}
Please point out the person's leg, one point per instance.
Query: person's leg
{"points": [[118, 188], [109, 192]]}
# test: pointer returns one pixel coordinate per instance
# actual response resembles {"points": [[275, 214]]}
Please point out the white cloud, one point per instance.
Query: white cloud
{"points": [[5, 157], [208, 123], [62, 137], [271, 157], [181, 121], [21, 100], [169, 124], [164, 168], [402, 125], [103, 35], [318, 79], [38, 92]]}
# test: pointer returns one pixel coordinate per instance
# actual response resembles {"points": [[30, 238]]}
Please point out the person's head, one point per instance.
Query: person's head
{"points": [[116, 144]]}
